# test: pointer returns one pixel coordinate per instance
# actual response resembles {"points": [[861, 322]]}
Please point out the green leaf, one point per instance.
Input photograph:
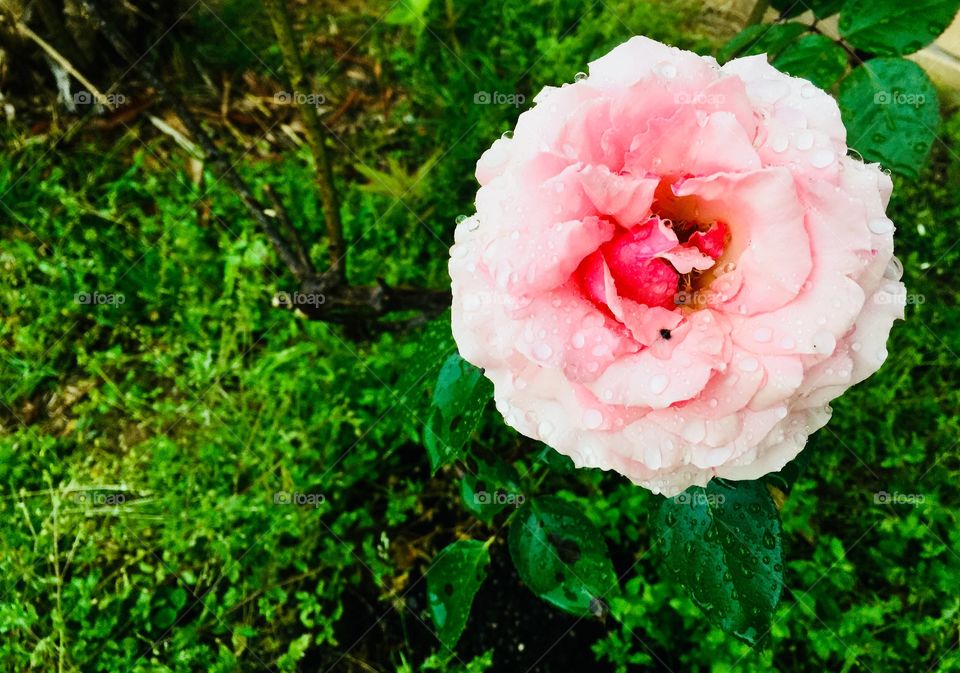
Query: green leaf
{"points": [[821, 8], [723, 544], [892, 27], [761, 39], [434, 345], [452, 583], [408, 13], [789, 473], [459, 398], [495, 486], [562, 557], [555, 460], [816, 58], [891, 112]]}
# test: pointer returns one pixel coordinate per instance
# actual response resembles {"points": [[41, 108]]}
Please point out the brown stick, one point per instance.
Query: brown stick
{"points": [[280, 19]]}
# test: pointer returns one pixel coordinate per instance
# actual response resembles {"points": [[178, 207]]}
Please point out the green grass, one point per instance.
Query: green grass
{"points": [[144, 444]]}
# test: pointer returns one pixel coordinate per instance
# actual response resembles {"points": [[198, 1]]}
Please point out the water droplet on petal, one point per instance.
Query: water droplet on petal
{"points": [[544, 429], [822, 158], [779, 143], [668, 70], [805, 141], [880, 225], [749, 364], [580, 76], [762, 334], [592, 419], [578, 340], [542, 351], [658, 383], [894, 270]]}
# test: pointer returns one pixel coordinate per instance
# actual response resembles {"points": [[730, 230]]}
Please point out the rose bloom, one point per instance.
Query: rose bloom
{"points": [[674, 267]]}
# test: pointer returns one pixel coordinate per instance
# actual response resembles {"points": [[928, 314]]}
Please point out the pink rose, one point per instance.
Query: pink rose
{"points": [[674, 267]]}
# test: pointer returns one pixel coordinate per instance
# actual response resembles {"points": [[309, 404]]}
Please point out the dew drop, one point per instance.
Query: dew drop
{"points": [[894, 270], [580, 76], [805, 141], [749, 364], [592, 419], [822, 158], [779, 143], [578, 340], [542, 351], [545, 429], [880, 225], [658, 383], [762, 334], [668, 70]]}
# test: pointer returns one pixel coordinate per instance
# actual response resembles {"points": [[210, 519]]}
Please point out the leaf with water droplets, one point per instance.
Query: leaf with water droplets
{"points": [[892, 27], [814, 57], [723, 544], [761, 39], [452, 583], [459, 398], [562, 557], [494, 486], [891, 112]]}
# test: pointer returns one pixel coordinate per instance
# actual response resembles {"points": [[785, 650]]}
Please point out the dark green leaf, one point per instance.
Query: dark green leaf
{"points": [[891, 112], [562, 557], [788, 475], [816, 58], [892, 27], [761, 39], [821, 8], [555, 460], [495, 486], [459, 398], [723, 544], [452, 583], [434, 345]]}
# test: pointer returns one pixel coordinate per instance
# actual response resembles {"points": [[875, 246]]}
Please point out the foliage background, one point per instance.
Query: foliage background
{"points": [[144, 445]]}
